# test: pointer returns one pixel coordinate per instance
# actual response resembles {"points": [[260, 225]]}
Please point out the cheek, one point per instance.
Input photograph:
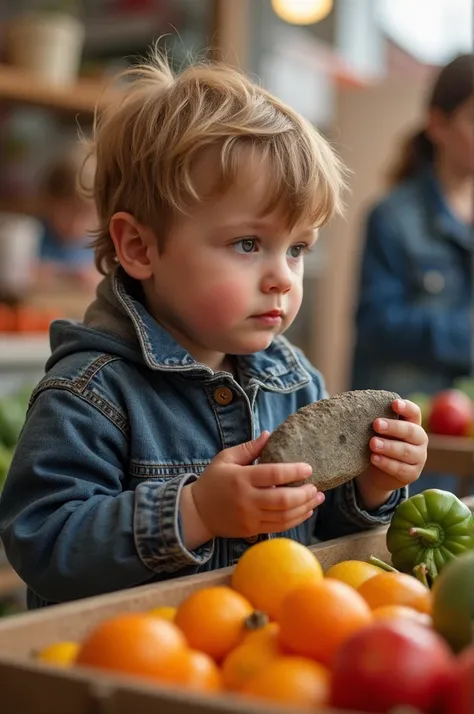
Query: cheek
{"points": [[220, 303]]}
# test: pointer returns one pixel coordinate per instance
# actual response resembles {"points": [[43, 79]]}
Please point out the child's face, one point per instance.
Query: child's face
{"points": [[229, 278]]}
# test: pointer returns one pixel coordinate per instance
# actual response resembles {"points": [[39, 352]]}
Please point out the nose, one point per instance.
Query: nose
{"points": [[277, 278]]}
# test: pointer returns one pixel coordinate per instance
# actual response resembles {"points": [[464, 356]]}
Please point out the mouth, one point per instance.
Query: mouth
{"points": [[271, 318], [271, 313]]}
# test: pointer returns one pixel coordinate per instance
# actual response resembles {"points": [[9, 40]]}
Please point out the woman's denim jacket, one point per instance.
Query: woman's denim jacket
{"points": [[123, 419], [414, 317]]}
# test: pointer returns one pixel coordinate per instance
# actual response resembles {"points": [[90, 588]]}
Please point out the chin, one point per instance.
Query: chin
{"points": [[249, 347]]}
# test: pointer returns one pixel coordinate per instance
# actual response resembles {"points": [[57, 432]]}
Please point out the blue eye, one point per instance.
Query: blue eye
{"points": [[296, 251], [246, 245]]}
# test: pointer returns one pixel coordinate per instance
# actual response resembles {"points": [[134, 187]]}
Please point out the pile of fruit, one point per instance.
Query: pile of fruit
{"points": [[363, 636]]}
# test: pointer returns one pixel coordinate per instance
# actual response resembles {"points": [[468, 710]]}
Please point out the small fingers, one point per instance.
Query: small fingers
{"points": [[285, 524], [406, 473], [398, 450], [408, 410], [280, 518], [402, 430], [286, 498], [266, 475]]}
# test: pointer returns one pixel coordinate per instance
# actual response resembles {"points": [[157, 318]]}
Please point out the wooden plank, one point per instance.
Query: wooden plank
{"points": [[17, 86]]}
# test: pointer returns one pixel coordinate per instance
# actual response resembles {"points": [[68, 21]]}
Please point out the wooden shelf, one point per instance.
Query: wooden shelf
{"points": [[452, 455], [14, 204], [19, 87]]}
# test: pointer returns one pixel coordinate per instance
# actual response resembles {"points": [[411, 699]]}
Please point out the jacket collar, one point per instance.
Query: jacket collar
{"points": [[119, 310]]}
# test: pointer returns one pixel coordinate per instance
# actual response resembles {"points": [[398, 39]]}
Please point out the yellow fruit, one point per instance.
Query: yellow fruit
{"points": [[270, 569], [166, 612], [62, 654], [353, 572]]}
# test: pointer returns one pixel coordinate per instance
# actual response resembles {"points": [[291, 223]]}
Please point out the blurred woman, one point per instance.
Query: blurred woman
{"points": [[415, 314]]}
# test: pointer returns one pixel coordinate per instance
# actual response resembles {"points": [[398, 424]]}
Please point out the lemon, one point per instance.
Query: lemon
{"points": [[166, 612], [62, 654], [353, 572]]}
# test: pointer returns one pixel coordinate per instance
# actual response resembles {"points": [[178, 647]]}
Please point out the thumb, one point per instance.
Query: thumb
{"points": [[246, 453]]}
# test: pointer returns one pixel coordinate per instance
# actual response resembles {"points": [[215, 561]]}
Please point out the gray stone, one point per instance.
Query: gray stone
{"points": [[332, 435]]}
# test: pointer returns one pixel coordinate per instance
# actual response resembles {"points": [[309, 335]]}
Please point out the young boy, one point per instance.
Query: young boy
{"points": [[136, 463]]}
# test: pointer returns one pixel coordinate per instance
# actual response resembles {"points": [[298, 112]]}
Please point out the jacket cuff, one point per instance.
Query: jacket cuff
{"points": [[156, 527], [350, 505]]}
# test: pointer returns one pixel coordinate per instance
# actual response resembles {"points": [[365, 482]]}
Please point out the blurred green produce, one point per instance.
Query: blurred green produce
{"points": [[13, 409]]}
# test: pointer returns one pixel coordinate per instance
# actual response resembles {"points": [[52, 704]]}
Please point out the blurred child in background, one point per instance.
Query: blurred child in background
{"points": [[69, 216]]}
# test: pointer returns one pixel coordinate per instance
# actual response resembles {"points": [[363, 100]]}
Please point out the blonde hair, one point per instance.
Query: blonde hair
{"points": [[147, 142]]}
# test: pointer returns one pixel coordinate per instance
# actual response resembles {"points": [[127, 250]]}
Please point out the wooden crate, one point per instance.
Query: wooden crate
{"points": [[29, 686]]}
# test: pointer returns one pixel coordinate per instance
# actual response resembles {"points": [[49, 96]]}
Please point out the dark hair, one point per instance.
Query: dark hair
{"points": [[453, 86]]}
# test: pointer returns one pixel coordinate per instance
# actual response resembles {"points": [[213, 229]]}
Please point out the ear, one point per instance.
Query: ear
{"points": [[132, 243]]}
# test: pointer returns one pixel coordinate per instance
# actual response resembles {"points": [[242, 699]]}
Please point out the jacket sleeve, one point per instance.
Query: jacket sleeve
{"points": [[388, 323], [69, 524], [342, 513]]}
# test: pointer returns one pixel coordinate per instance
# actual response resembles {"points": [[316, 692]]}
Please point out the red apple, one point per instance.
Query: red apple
{"points": [[391, 664], [451, 413], [460, 694]]}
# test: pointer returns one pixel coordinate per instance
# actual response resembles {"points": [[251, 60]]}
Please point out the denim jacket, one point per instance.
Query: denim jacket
{"points": [[123, 419], [414, 318]]}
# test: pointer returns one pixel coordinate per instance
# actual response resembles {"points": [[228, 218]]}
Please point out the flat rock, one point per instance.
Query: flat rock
{"points": [[332, 435]]}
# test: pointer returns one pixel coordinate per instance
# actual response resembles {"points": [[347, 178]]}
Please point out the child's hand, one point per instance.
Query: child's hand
{"points": [[235, 498], [398, 454]]}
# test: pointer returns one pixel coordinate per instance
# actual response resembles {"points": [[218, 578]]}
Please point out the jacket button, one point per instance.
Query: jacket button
{"points": [[223, 396]]}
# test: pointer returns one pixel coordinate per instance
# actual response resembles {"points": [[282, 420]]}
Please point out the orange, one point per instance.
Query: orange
{"points": [[270, 569], [269, 635], [316, 618], [134, 643], [213, 620], [353, 572], [293, 681], [245, 661], [396, 589], [165, 611], [62, 654], [395, 612], [197, 671]]}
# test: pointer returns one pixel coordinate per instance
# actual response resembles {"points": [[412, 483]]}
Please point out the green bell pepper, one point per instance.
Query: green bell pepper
{"points": [[428, 530]]}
